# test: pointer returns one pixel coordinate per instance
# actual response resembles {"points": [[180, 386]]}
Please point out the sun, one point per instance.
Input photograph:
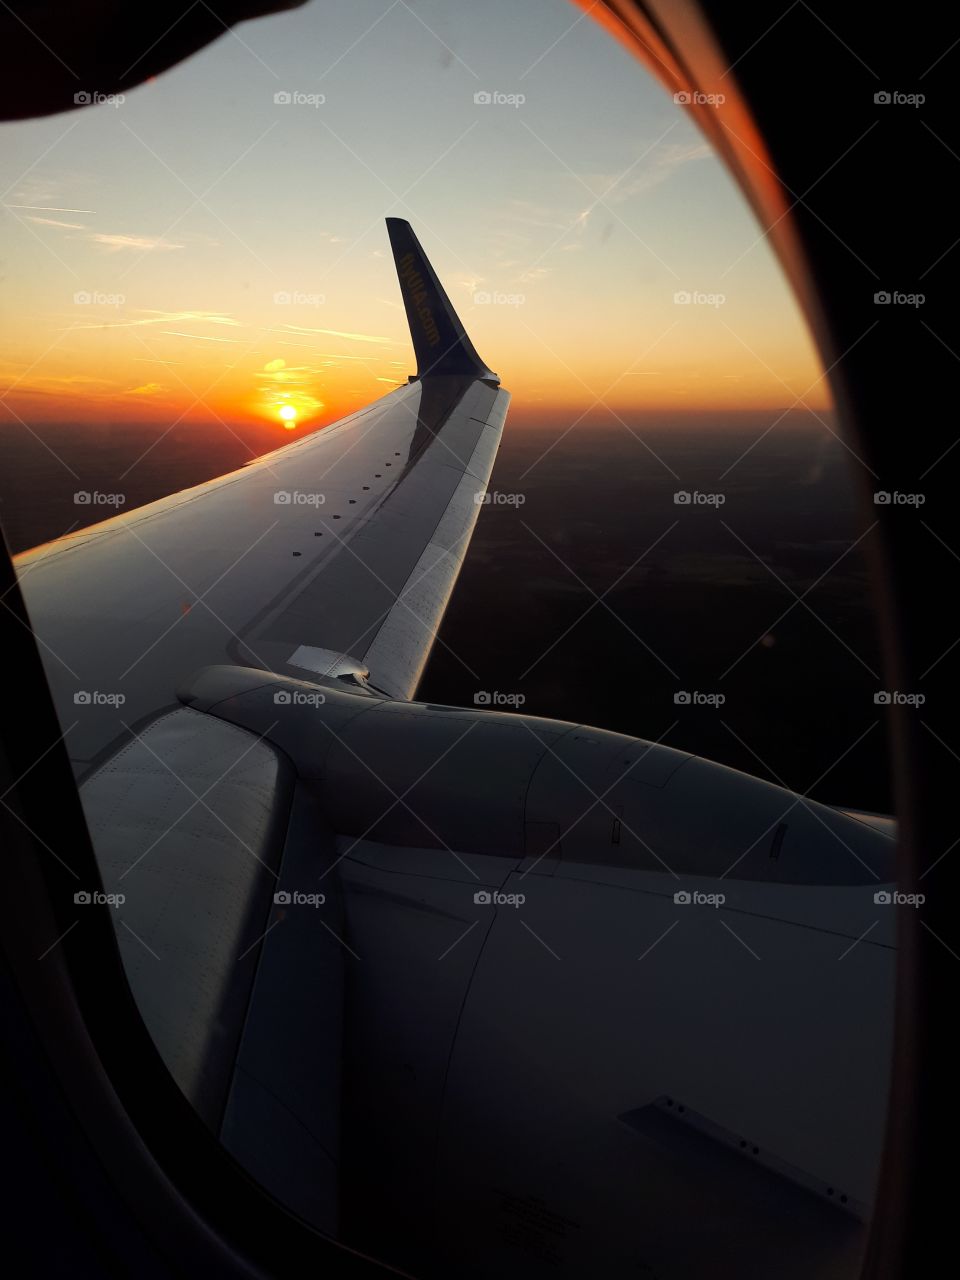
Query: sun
{"points": [[288, 413]]}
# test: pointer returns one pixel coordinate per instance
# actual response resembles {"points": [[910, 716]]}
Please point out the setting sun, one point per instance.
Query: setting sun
{"points": [[288, 412]]}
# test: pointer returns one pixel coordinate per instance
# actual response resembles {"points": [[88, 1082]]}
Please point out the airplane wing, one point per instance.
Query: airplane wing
{"points": [[334, 556], [341, 911]]}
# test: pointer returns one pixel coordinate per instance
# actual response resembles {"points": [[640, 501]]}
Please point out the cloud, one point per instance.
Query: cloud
{"points": [[663, 164], [113, 242], [148, 389], [143, 243], [54, 222], [167, 317], [41, 191], [48, 208], [278, 372], [296, 385], [177, 317], [48, 384], [527, 213], [199, 337], [337, 333]]}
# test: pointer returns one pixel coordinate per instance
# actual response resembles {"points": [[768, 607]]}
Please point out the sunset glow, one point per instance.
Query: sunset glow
{"points": [[600, 268]]}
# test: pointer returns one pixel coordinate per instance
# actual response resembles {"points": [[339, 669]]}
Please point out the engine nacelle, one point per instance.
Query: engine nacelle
{"points": [[498, 783]]}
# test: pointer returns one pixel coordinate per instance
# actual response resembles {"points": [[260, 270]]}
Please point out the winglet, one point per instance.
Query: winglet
{"points": [[440, 341]]}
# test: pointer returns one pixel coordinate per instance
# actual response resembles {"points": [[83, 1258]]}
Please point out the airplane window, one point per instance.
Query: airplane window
{"points": [[481, 961]]}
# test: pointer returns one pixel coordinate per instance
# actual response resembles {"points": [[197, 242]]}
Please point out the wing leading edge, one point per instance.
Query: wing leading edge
{"points": [[334, 555]]}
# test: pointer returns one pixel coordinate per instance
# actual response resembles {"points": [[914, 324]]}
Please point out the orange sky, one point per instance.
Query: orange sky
{"points": [[201, 251]]}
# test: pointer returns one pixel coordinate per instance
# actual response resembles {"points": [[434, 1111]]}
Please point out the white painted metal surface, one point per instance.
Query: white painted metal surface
{"points": [[349, 540]]}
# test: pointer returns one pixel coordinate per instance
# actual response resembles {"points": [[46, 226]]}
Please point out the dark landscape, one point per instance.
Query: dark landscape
{"points": [[697, 598]]}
